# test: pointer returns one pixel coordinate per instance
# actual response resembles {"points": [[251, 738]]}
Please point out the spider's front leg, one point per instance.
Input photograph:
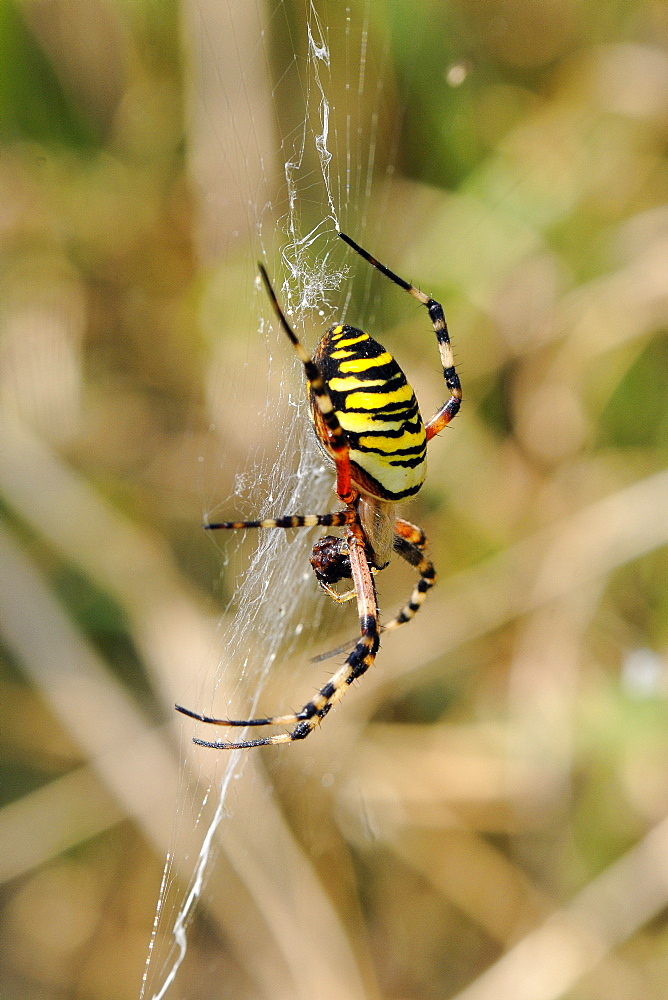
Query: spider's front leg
{"points": [[450, 408], [358, 662]]}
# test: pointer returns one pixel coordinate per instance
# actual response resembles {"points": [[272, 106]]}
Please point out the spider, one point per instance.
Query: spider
{"points": [[367, 421]]}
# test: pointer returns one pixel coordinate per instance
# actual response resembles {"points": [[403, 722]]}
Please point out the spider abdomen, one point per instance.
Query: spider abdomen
{"points": [[377, 410]]}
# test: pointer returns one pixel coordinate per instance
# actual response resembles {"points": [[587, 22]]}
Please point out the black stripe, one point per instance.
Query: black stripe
{"points": [[416, 451], [451, 378], [389, 372], [409, 407], [437, 316], [408, 463], [396, 413], [313, 375], [369, 625], [407, 550], [390, 432]]}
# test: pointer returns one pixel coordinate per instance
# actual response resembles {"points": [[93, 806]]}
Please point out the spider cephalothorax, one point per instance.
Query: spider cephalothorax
{"points": [[367, 421]]}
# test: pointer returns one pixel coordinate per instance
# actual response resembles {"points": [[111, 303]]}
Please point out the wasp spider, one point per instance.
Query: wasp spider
{"points": [[368, 422]]}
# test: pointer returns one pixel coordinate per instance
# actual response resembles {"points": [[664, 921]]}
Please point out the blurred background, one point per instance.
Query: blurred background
{"points": [[486, 815]]}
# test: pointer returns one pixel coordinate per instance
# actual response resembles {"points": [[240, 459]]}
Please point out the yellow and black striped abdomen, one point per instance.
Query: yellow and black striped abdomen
{"points": [[377, 410]]}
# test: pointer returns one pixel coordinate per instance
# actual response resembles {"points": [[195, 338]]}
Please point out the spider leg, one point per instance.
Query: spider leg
{"points": [[409, 543], [334, 520], [336, 439], [410, 532], [450, 408], [337, 519], [357, 663]]}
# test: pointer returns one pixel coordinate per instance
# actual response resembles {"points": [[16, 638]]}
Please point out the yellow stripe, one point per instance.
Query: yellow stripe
{"points": [[390, 445], [358, 423], [377, 400], [353, 340], [346, 384], [342, 354], [363, 364]]}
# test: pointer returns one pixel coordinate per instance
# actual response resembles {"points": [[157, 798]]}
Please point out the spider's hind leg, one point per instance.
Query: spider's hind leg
{"points": [[357, 663], [409, 543]]}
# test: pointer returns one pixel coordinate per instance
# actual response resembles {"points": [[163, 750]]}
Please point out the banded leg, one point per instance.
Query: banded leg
{"points": [[410, 532], [334, 520], [357, 663], [450, 408], [409, 543], [337, 441]]}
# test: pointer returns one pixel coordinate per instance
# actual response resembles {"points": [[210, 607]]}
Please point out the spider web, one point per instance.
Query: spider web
{"points": [[290, 143]]}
